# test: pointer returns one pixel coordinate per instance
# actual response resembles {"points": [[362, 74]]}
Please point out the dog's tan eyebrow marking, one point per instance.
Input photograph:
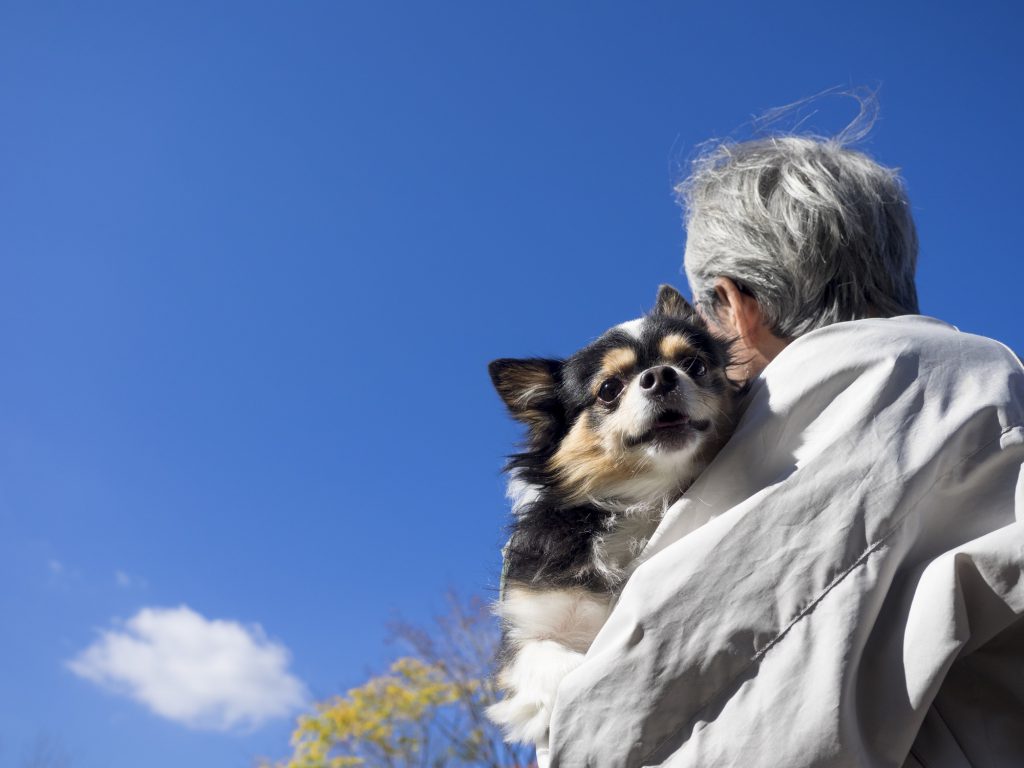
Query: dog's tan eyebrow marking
{"points": [[675, 345], [617, 362]]}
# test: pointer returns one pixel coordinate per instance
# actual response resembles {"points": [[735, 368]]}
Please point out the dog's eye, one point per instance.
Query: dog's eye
{"points": [[609, 390], [693, 366]]}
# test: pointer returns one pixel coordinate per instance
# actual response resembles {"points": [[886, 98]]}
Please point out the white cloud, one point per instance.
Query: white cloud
{"points": [[56, 566], [203, 673]]}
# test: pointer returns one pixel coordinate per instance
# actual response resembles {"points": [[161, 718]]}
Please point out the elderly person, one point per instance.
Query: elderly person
{"points": [[844, 585]]}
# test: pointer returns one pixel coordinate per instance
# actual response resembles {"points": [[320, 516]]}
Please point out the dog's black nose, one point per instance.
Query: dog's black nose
{"points": [[658, 380]]}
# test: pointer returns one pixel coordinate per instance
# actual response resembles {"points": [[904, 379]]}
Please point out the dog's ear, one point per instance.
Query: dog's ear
{"points": [[670, 303], [529, 389]]}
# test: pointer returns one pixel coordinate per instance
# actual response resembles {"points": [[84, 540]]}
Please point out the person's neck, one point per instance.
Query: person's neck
{"points": [[761, 351]]}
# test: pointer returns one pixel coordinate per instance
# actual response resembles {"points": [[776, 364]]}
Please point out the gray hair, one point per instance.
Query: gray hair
{"points": [[818, 233]]}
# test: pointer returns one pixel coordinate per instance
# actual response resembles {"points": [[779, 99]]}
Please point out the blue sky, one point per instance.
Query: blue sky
{"points": [[254, 258]]}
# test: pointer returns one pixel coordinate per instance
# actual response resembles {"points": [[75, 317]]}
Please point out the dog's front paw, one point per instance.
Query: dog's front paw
{"points": [[522, 718], [532, 681]]}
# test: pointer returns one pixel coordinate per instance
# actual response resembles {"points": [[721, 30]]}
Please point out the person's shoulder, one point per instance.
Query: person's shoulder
{"points": [[912, 378], [877, 361], [919, 336], [895, 330]]}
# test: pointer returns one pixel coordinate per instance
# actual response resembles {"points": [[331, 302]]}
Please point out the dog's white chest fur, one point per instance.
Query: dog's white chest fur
{"points": [[550, 630]]}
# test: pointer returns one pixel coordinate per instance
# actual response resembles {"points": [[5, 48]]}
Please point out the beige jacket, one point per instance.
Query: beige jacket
{"points": [[844, 586]]}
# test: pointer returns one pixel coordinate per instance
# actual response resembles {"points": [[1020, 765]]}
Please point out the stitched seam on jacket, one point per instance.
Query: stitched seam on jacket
{"points": [[861, 559]]}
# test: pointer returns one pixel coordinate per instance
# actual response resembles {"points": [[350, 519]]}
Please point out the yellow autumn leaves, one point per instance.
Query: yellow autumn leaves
{"points": [[389, 716], [427, 711]]}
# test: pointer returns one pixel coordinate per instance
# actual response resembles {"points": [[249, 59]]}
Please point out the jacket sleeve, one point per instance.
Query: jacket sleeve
{"points": [[855, 548]]}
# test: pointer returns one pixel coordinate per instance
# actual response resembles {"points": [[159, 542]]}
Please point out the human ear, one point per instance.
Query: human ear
{"points": [[729, 306]]}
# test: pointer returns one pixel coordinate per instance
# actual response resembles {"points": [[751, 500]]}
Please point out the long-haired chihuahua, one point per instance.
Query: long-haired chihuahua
{"points": [[615, 434]]}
